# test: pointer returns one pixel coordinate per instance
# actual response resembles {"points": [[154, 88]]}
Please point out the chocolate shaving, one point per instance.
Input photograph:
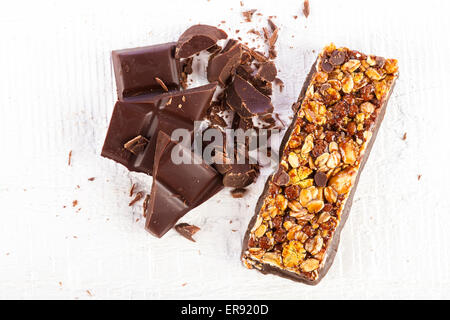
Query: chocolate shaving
{"points": [[187, 230], [69, 162], [136, 145], [161, 83], [306, 8], [272, 25], [138, 197]]}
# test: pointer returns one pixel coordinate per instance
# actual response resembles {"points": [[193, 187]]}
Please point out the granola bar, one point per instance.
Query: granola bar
{"points": [[298, 219]]}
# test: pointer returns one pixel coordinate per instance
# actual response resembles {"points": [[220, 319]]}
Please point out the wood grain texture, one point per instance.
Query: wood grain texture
{"points": [[58, 94]]}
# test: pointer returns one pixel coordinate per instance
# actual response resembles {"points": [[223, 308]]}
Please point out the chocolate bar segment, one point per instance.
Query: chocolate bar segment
{"points": [[177, 188], [146, 117], [298, 219], [140, 71]]}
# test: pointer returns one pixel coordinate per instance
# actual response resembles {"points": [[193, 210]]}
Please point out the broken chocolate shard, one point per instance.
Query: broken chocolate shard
{"points": [[246, 100], [136, 145], [248, 15], [187, 230], [240, 176], [196, 39], [137, 69], [177, 188], [267, 71], [222, 65]]}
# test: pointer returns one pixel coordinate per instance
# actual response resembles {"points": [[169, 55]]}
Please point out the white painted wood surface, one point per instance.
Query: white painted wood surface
{"points": [[57, 95]]}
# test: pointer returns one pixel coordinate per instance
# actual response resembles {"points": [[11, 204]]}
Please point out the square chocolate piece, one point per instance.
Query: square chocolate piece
{"points": [[138, 69]]}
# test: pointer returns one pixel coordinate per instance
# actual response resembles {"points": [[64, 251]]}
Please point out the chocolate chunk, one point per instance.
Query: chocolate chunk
{"points": [[320, 178], [327, 66], [246, 100], [214, 49], [337, 57], [136, 145], [273, 38], [187, 230], [177, 188], [238, 193], [196, 39], [240, 176], [280, 178], [146, 118], [137, 69], [221, 65], [267, 71]]}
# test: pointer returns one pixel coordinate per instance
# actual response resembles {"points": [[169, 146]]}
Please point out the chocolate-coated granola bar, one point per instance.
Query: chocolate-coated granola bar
{"points": [[298, 219]]}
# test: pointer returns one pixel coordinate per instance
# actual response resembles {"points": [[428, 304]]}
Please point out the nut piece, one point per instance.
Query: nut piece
{"points": [[315, 206], [367, 108], [293, 254], [343, 181], [308, 145], [293, 160], [281, 202], [310, 265], [351, 65], [349, 150], [314, 245]]}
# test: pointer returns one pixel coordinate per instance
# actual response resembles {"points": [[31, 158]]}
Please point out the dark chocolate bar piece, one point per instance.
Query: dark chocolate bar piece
{"points": [[196, 39], [146, 117], [177, 188], [303, 208], [140, 71]]}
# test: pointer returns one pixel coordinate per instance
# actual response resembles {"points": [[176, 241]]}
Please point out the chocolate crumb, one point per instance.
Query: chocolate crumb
{"points": [[306, 8], [248, 15], [70, 158], [161, 83], [138, 197], [272, 25], [238, 193], [91, 179], [74, 203], [89, 293], [404, 136], [295, 17], [419, 176], [187, 230]]}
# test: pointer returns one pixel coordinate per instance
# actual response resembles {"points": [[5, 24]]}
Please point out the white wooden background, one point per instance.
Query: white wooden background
{"points": [[57, 95]]}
